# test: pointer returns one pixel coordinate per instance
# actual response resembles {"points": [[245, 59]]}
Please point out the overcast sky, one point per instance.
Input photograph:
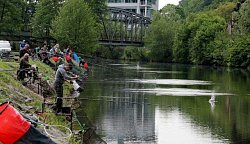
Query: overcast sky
{"points": [[164, 2]]}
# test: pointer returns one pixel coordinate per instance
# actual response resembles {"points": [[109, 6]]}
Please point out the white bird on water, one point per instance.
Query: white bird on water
{"points": [[212, 99], [138, 66]]}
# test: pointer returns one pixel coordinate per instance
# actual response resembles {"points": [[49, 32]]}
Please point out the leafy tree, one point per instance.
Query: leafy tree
{"points": [[194, 6], [219, 48], [225, 10], [137, 53], [201, 30], [239, 53], [161, 33], [181, 45], [45, 13], [99, 7], [244, 13], [28, 13], [11, 15], [75, 26]]}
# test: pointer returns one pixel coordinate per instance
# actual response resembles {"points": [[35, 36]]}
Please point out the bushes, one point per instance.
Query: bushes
{"points": [[136, 53], [239, 53]]}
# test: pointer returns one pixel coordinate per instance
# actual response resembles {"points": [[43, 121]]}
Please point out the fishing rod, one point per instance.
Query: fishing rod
{"points": [[110, 68], [92, 99], [95, 57], [102, 60], [116, 70]]}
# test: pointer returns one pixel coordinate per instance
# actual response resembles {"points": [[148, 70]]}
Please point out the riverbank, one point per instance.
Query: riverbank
{"points": [[12, 89]]}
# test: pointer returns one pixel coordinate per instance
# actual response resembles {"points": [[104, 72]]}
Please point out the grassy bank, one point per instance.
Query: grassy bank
{"points": [[12, 89]]}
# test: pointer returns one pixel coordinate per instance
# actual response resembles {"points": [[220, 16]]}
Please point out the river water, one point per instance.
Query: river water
{"points": [[168, 103]]}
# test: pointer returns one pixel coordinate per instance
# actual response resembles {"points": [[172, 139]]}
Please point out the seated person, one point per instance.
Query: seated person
{"points": [[24, 66], [57, 60], [83, 64], [24, 62], [68, 58]]}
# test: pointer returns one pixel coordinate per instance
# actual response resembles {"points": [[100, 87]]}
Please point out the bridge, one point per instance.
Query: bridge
{"points": [[119, 28], [123, 28]]}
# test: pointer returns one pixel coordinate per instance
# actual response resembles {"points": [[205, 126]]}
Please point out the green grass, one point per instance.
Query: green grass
{"points": [[5, 65], [12, 89]]}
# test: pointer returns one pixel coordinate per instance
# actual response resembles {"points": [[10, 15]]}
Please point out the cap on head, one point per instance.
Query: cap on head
{"points": [[26, 55], [27, 46], [56, 46], [68, 65]]}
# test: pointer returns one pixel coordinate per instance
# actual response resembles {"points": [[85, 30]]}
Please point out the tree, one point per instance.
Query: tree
{"points": [[239, 53], [244, 13], [45, 13], [199, 31], [11, 16], [225, 10], [161, 33], [194, 6], [75, 26], [99, 7], [181, 45]]}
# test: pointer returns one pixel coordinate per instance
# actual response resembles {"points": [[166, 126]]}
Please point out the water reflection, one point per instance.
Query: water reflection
{"points": [[177, 92], [143, 107], [137, 67], [174, 127], [118, 64], [126, 121], [162, 72], [170, 81], [212, 101]]}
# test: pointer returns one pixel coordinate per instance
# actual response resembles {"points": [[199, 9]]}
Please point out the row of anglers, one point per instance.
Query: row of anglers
{"points": [[63, 73], [44, 53], [17, 128]]}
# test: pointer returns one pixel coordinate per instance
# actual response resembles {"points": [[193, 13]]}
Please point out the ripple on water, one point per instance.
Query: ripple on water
{"points": [[178, 92], [136, 67], [163, 72], [170, 81], [119, 64]]}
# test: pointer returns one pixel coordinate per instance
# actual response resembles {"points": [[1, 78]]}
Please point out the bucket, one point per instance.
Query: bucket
{"points": [[75, 85], [12, 124]]}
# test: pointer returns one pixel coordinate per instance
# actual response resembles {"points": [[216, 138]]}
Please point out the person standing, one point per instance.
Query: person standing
{"points": [[24, 48], [61, 76]]}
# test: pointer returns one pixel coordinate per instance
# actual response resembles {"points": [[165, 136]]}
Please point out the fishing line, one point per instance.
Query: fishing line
{"points": [[88, 99], [102, 65]]}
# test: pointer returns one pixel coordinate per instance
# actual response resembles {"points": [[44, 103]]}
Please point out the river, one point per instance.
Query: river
{"points": [[157, 103]]}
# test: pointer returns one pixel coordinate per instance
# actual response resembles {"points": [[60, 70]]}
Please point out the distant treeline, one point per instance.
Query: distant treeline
{"points": [[207, 32]]}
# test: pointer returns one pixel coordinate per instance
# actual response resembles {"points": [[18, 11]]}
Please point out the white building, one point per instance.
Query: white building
{"points": [[144, 7]]}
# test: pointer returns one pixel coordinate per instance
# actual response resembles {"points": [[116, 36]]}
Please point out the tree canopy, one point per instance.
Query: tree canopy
{"points": [[75, 26], [244, 14], [45, 13], [161, 33], [11, 16], [210, 32]]}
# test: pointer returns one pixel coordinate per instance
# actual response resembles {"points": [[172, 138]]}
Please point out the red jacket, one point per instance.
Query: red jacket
{"points": [[55, 58], [86, 65], [67, 57]]}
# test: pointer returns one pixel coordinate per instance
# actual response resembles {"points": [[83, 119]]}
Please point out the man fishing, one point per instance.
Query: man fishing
{"points": [[61, 76]]}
